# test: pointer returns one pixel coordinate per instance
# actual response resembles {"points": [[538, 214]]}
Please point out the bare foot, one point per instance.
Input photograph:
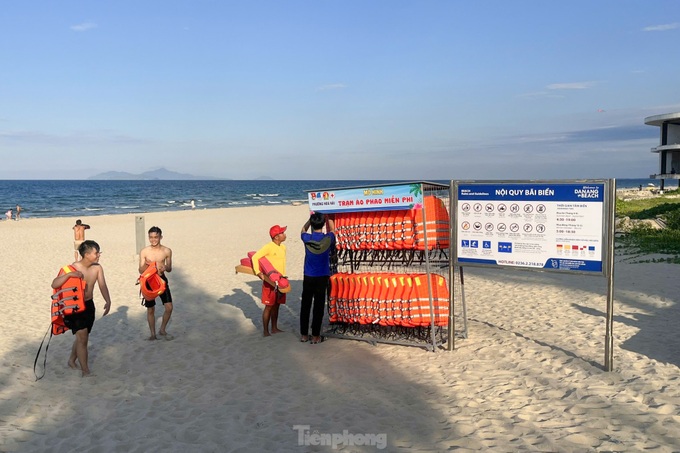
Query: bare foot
{"points": [[151, 338], [88, 374], [276, 330], [165, 336], [73, 365], [267, 334]]}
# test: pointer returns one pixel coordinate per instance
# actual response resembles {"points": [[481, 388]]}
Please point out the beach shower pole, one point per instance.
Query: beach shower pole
{"points": [[139, 233]]}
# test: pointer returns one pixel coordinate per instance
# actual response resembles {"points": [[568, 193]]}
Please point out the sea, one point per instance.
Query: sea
{"points": [[81, 198]]}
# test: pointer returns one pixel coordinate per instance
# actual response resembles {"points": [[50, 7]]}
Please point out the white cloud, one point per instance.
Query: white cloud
{"points": [[333, 86], [539, 95], [84, 26], [662, 27], [571, 86]]}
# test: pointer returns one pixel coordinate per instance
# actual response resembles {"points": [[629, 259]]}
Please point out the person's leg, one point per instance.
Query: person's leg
{"points": [[72, 358], [266, 315], [166, 317], [275, 318], [320, 286], [80, 344], [305, 307], [151, 319]]}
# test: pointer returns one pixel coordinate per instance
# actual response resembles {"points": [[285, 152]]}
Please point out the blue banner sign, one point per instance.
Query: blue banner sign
{"points": [[379, 198]]}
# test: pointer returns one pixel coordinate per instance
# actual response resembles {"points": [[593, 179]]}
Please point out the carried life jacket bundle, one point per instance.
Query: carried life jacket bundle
{"points": [[271, 275], [151, 285], [66, 300]]}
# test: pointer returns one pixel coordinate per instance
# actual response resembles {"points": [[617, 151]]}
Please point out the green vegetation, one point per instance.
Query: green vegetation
{"points": [[642, 239]]}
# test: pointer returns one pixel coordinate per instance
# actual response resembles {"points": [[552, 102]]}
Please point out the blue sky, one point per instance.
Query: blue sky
{"points": [[336, 89]]}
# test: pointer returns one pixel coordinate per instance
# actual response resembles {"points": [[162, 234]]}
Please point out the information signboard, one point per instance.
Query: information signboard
{"points": [[538, 225]]}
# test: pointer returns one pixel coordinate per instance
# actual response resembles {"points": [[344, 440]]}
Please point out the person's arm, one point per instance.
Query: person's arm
{"points": [[86, 226], [330, 225], [143, 262], [305, 227], [256, 260], [104, 290], [59, 281], [167, 264]]}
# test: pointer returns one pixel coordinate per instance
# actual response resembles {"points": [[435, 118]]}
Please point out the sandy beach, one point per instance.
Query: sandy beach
{"points": [[529, 377]]}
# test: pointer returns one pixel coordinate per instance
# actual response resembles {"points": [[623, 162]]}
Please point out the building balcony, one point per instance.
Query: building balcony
{"points": [[670, 147]]}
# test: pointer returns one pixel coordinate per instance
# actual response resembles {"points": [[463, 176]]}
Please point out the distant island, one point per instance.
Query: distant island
{"points": [[160, 174]]}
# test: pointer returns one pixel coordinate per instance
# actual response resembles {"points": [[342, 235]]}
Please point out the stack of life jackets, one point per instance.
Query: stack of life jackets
{"points": [[388, 299], [395, 230]]}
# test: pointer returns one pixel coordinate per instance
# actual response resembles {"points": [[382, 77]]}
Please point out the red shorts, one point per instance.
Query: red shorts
{"points": [[271, 296]]}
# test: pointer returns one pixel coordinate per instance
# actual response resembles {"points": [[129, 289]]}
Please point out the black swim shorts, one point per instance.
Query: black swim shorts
{"points": [[84, 320]]}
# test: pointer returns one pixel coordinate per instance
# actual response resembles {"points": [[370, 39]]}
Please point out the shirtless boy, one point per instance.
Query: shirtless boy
{"points": [[89, 269], [162, 255], [78, 236]]}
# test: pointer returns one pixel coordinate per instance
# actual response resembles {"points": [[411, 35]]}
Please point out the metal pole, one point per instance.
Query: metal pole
{"points": [[452, 273], [609, 338], [462, 294], [429, 280]]}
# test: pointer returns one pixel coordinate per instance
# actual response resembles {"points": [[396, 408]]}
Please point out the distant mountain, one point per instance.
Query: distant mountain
{"points": [[160, 174]]}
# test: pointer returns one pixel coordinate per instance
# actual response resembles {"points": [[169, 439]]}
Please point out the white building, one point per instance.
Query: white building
{"points": [[669, 145]]}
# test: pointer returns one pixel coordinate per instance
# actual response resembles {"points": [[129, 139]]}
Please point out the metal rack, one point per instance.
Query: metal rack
{"points": [[430, 258]]}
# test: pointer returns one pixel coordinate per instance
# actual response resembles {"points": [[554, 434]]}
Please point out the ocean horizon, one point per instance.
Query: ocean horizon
{"points": [[83, 198]]}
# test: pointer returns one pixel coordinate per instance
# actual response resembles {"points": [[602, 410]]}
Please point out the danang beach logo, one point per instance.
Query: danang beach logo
{"points": [[590, 192]]}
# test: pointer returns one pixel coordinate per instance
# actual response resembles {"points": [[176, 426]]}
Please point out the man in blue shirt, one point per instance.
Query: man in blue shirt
{"points": [[318, 246]]}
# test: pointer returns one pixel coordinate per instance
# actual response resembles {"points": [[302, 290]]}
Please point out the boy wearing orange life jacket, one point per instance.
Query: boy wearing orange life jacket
{"points": [[317, 272], [272, 298], [162, 256], [89, 269]]}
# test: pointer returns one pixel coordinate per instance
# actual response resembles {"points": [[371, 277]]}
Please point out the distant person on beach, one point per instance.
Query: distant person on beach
{"points": [[79, 235], [272, 298], [317, 271], [18, 212], [8, 215], [193, 204], [162, 256], [89, 269]]}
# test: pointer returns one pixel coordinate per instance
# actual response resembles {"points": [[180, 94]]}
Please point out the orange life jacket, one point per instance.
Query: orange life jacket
{"points": [[150, 282], [407, 290], [407, 230], [437, 218], [333, 299], [363, 287], [67, 300], [420, 301]]}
